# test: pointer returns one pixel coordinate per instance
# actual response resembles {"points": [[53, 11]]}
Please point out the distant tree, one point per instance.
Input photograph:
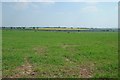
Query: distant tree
{"points": [[17, 27], [13, 27], [23, 27], [68, 32], [33, 28], [3, 27]]}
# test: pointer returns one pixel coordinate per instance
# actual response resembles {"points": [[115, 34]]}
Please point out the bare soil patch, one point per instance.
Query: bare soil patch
{"points": [[68, 45], [26, 70], [81, 71], [85, 72], [76, 71], [40, 50]]}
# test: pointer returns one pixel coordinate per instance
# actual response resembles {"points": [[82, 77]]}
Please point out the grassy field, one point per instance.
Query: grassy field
{"points": [[59, 54], [62, 29]]}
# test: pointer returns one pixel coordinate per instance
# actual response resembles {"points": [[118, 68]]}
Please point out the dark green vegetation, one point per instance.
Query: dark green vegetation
{"points": [[59, 54]]}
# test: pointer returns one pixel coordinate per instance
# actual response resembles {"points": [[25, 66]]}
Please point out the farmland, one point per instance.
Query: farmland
{"points": [[45, 54]]}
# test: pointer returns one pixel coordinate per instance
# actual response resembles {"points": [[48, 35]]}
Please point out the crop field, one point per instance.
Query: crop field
{"points": [[62, 29], [40, 54]]}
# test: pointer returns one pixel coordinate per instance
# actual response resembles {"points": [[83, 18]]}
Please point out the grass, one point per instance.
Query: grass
{"points": [[60, 54]]}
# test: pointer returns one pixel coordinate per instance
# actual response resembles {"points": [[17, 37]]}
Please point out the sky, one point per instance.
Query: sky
{"points": [[53, 13]]}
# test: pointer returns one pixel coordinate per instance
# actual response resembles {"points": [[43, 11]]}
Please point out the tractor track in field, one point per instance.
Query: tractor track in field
{"points": [[25, 70]]}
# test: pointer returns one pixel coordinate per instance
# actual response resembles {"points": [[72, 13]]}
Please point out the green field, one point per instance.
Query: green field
{"points": [[59, 54]]}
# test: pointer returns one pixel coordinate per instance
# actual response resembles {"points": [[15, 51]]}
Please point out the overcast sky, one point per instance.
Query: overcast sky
{"points": [[82, 14]]}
